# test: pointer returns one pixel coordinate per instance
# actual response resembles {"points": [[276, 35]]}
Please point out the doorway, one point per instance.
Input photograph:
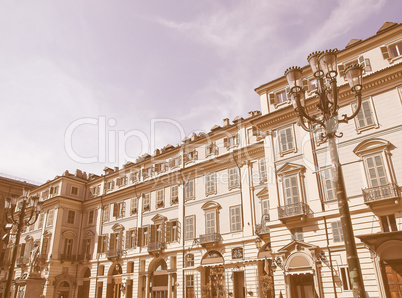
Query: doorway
{"points": [[63, 290], [302, 286], [392, 273], [238, 284]]}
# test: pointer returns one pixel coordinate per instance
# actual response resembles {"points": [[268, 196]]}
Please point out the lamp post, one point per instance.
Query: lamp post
{"points": [[323, 65], [29, 209]]}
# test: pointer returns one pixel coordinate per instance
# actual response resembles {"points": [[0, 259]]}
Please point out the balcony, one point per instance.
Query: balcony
{"points": [[84, 257], [113, 254], [67, 257], [22, 261], [298, 211], [381, 194], [156, 247], [211, 238], [262, 228]]}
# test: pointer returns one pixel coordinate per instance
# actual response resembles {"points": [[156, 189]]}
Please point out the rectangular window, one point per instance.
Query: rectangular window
{"points": [[50, 216], [286, 140], [172, 231], [235, 219], [297, 234], [174, 195], [41, 218], [68, 248], [146, 172], [291, 190], [337, 231], [102, 243], [210, 222], [122, 181], [265, 206], [134, 206], [160, 198], [86, 248], [234, 180], [119, 209], [190, 156], [189, 228], [145, 236], [160, 167], [54, 191], [210, 184], [395, 50], [106, 213], [146, 202], [190, 293], [134, 177], [345, 278], [71, 217], [109, 185], [95, 190], [375, 170], [211, 149], [281, 97], [232, 141], [91, 217], [189, 190], [74, 191], [313, 84], [365, 118], [174, 162], [131, 238], [388, 223], [262, 169], [328, 182]]}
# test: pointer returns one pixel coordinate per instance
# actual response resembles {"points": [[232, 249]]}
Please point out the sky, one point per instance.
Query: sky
{"points": [[86, 84]]}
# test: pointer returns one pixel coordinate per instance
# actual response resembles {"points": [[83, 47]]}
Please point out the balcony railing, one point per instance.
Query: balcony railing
{"points": [[156, 246], [387, 191], [67, 257], [114, 253], [85, 257], [210, 238], [22, 261], [298, 209]]}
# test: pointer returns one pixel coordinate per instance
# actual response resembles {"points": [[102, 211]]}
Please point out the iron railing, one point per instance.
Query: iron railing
{"points": [[291, 210], [22, 261], [114, 253], [156, 246], [85, 257], [67, 257], [386, 191], [210, 238]]}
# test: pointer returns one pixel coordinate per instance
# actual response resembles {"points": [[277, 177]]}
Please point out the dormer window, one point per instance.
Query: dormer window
{"points": [[174, 162], [134, 177], [190, 156], [122, 181], [160, 167], [146, 172], [211, 149], [232, 141]]}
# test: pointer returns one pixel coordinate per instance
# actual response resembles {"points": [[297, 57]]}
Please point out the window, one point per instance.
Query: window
{"points": [[189, 260], [86, 248], [130, 267], [70, 217], [297, 234], [388, 223], [172, 233], [291, 190], [50, 216], [146, 202], [54, 191], [232, 141], [328, 183], [134, 206], [190, 156], [119, 209], [286, 140], [265, 206], [134, 177], [190, 285], [160, 167], [160, 198], [109, 185], [106, 213], [91, 215], [74, 191], [102, 243], [146, 172], [365, 119], [131, 238], [189, 228], [189, 190], [211, 149], [235, 219], [234, 180], [174, 162], [122, 181], [68, 248], [41, 218], [262, 169], [174, 195], [281, 97], [345, 278], [115, 241], [95, 190], [210, 222], [375, 170], [143, 236], [313, 84], [337, 231], [210, 184], [392, 51], [45, 194]]}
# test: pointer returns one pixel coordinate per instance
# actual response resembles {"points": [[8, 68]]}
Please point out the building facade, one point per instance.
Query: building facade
{"points": [[184, 221]]}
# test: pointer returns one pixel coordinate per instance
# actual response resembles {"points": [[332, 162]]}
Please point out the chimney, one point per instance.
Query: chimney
{"points": [[225, 122]]}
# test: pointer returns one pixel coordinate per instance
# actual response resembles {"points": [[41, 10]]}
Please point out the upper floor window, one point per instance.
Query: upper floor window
{"points": [[337, 231], [142, 237], [265, 206], [146, 172], [190, 156], [210, 184], [40, 220], [106, 213], [91, 215], [234, 180], [232, 141], [135, 177], [54, 191], [189, 260], [392, 51], [235, 219], [313, 84], [133, 206], [286, 140], [297, 234], [388, 223], [172, 231], [95, 190], [50, 216], [102, 243], [262, 166], [291, 190], [160, 198], [146, 202], [211, 149], [119, 209], [189, 228], [328, 183], [74, 191], [375, 169], [122, 181], [366, 118], [174, 162], [278, 98], [131, 238], [210, 222], [109, 185], [70, 216], [174, 195], [291, 177], [189, 190], [160, 167], [45, 194]]}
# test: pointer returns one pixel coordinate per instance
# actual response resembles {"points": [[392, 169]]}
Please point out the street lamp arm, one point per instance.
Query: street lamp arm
{"points": [[345, 119], [28, 222], [300, 122], [303, 113]]}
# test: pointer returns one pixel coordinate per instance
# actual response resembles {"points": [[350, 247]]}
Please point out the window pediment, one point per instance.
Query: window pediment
{"points": [[89, 234], [290, 168], [69, 234], [296, 245], [159, 217], [263, 193], [211, 205], [371, 145], [117, 227]]}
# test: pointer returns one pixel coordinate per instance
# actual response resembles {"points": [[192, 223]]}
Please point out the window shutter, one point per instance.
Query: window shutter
{"points": [[195, 155], [384, 52], [225, 142], [128, 239], [123, 209], [185, 157], [153, 233], [115, 211], [169, 232], [368, 65], [271, 97], [112, 241], [237, 139], [140, 234], [171, 163], [216, 149], [178, 231], [341, 70]]}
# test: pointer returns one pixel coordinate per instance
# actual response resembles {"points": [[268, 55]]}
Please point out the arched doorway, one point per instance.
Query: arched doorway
{"points": [[390, 254], [301, 276], [159, 279], [83, 290], [114, 281], [63, 290], [213, 275]]}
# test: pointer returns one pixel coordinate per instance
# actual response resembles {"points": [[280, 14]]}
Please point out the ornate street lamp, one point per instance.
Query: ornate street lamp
{"points": [[323, 65], [26, 215]]}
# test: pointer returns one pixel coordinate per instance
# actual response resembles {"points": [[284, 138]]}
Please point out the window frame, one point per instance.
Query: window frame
{"points": [[187, 195], [72, 191], [359, 129], [237, 225], [70, 217], [174, 195], [388, 223], [189, 234], [324, 180], [233, 171], [337, 232], [288, 150], [146, 202], [133, 206], [210, 184], [160, 198], [263, 174]]}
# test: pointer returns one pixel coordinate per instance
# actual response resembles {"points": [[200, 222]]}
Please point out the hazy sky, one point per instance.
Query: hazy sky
{"points": [[82, 83]]}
